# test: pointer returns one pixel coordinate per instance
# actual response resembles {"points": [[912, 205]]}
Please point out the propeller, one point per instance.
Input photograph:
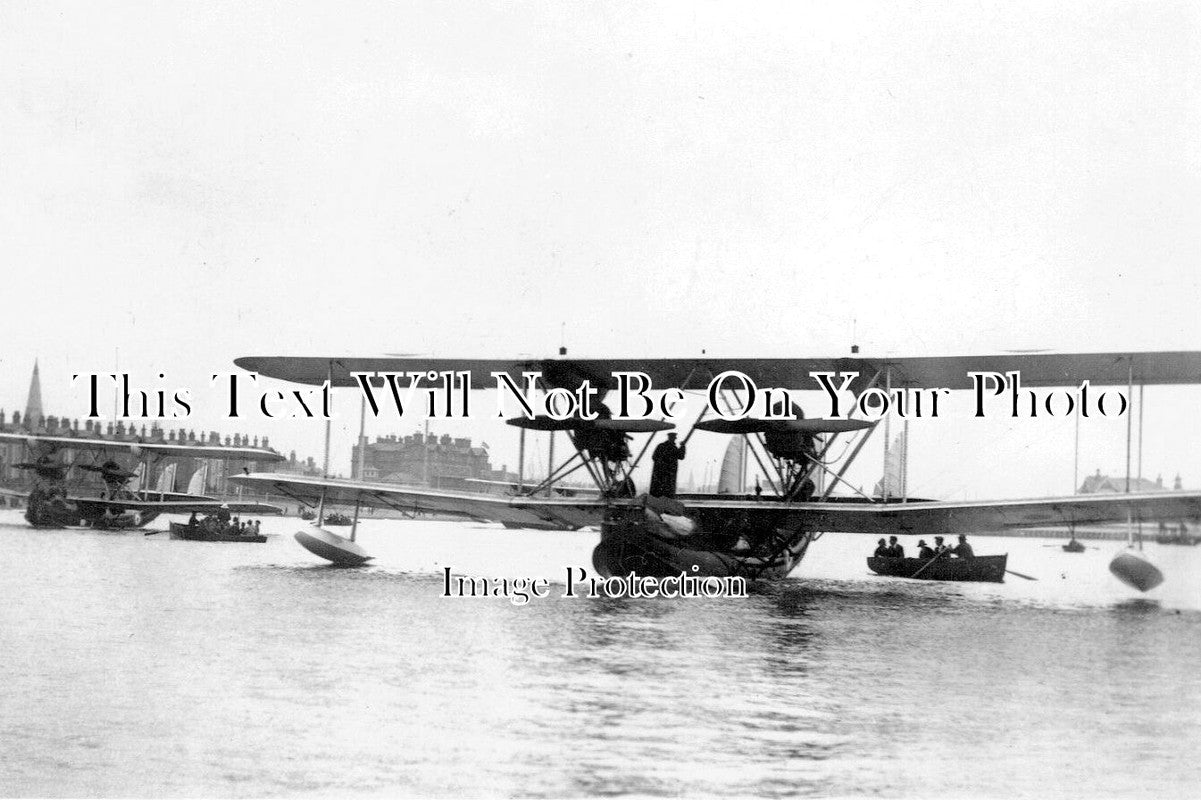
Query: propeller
{"points": [[110, 470], [45, 467]]}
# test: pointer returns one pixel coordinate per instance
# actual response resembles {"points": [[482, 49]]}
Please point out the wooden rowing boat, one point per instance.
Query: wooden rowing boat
{"points": [[194, 533], [980, 568]]}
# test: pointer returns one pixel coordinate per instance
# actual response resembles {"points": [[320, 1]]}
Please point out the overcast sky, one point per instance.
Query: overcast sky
{"points": [[191, 183]]}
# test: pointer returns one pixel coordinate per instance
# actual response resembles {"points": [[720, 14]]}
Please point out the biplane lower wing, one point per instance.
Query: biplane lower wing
{"points": [[939, 517], [569, 513], [927, 517], [200, 506], [171, 503]]}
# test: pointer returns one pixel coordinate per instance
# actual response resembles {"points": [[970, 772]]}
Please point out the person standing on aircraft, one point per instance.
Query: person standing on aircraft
{"points": [[666, 460], [963, 549], [882, 550], [924, 551], [894, 548]]}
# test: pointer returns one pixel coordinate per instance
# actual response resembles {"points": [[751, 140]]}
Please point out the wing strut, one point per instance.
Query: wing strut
{"points": [[854, 453]]}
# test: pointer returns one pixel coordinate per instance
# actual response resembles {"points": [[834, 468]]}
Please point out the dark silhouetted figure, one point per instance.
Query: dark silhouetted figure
{"points": [[924, 551], [939, 547], [894, 548], [882, 550], [666, 458], [963, 549]]}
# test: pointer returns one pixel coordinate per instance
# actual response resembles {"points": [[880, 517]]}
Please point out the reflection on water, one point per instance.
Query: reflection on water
{"points": [[140, 666]]}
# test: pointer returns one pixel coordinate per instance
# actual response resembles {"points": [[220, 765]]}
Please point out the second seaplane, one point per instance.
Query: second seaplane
{"points": [[55, 501], [756, 536]]}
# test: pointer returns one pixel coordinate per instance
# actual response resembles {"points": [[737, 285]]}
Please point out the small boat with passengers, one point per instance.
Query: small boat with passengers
{"points": [[204, 533], [978, 568]]}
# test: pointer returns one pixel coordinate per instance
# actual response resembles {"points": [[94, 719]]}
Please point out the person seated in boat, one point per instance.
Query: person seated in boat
{"points": [[256, 528], [223, 514], [192, 520], [882, 550], [939, 547], [894, 548], [925, 551], [963, 549]]}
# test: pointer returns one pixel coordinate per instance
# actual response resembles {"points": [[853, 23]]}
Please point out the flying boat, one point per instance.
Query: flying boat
{"points": [[764, 535], [54, 502]]}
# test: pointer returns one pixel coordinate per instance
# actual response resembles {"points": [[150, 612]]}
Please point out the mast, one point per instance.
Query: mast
{"points": [[329, 384], [887, 433], [354, 523], [1140, 457], [521, 460], [1076, 451], [1129, 420], [425, 454], [362, 436]]}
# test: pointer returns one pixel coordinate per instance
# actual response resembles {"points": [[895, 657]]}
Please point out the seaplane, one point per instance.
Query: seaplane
{"points": [[55, 502], [764, 535]]}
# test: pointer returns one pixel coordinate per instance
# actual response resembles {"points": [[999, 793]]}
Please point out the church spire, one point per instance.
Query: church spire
{"points": [[33, 406]]}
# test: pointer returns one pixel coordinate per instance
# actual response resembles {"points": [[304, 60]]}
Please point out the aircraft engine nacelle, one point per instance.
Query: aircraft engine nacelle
{"points": [[795, 446], [790, 446]]}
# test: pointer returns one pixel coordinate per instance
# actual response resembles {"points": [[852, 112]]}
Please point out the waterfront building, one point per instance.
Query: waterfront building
{"points": [[425, 460], [1101, 484]]}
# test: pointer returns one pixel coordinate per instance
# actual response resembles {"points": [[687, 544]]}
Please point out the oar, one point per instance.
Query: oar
{"points": [[922, 569], [151, 533], [1020, 575]]}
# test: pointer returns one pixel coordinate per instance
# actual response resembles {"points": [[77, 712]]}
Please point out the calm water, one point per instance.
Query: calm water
{"points": [[138, 666]]}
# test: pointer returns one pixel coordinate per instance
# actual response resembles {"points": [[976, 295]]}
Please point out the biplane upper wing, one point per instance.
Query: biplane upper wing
{"points": [[35, 441], [951, 372], [569, 512], [940, 517]]}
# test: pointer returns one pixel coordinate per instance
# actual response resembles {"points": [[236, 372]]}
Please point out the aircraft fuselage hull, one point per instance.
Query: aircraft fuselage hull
{"points": [[55, 511], [750, 547]]}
